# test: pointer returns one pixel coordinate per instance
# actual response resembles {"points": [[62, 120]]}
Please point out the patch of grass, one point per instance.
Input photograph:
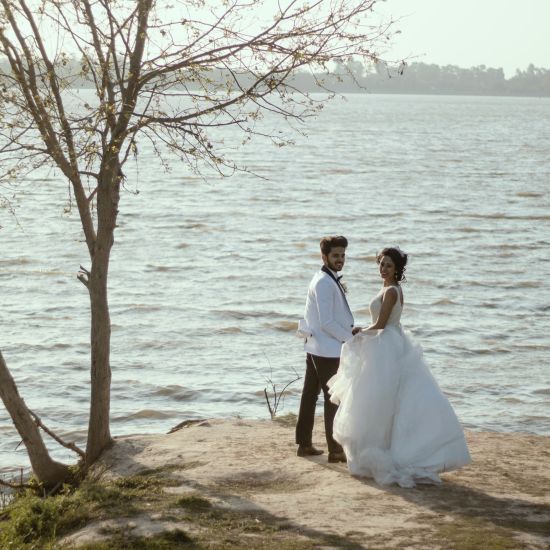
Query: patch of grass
{"points": [[170, 540], [168, 468], [229, 529], [220, 529], [30, 519], [107, 500], [541, 527], [32, 522], [194, 502], [265, 482], [474, 534], [143, 483]]}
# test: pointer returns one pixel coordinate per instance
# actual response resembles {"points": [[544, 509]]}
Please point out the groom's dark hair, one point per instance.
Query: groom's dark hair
{"points": [[328, 243]]}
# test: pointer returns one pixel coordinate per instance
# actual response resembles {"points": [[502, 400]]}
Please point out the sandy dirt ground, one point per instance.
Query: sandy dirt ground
{"points": [[502, 500]]}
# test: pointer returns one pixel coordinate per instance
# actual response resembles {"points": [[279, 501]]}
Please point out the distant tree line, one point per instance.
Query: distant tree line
{"points": [[416, 78], [423, 78]]}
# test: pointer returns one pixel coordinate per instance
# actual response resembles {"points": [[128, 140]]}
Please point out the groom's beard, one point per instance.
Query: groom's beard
{"points": [[332, 266]]}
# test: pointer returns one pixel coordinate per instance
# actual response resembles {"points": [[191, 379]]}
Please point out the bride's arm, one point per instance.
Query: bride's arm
{"points": [[388, 301]]}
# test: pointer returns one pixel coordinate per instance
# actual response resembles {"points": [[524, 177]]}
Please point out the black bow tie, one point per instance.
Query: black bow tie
{"points": [[339, 277]]}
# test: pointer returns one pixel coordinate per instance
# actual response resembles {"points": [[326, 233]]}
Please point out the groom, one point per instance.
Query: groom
{"points": [[327, 324]]}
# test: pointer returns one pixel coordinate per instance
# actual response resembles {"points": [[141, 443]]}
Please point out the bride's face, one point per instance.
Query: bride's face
{"points": [[387, 269]]}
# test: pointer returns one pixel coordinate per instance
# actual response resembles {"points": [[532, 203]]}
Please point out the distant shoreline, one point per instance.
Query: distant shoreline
{"points": [[415, 78], [358, 91], [401, 93]]}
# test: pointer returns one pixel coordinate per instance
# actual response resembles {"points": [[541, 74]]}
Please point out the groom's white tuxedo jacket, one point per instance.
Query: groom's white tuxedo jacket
{"points": [[328, 318]]}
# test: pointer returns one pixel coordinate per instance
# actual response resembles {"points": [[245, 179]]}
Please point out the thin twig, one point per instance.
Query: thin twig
{"points": [[71, 446], [272, 408], [268, 404], [282, 392], [15, 486]]}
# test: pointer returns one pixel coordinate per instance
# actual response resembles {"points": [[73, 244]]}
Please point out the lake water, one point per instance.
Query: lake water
{"points": [[209, 276]]}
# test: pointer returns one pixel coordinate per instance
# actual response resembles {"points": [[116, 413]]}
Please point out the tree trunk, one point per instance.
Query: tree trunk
{"points": [[47, 471], [99, 435]]}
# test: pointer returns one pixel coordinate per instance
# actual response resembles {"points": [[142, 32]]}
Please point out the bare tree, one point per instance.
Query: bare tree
{"points": [[167, 72]]}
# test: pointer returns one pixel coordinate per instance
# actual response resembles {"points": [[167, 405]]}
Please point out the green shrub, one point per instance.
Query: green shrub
{"points": [[30, 519]]}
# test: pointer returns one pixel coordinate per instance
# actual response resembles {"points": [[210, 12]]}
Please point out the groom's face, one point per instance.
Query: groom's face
{"points": [[335, 259]]}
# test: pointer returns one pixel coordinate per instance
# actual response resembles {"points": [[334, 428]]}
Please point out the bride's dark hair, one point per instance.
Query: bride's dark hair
{"points": [[399, 259]]}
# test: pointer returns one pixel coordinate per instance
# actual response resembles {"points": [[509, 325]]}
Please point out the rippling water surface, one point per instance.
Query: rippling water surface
{"points": [[209, 277]]}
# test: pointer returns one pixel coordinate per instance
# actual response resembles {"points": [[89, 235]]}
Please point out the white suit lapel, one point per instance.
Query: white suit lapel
{"points": [[331, 275]]}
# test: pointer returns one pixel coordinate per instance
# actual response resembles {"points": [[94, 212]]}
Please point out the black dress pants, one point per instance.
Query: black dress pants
{"points": [[319, 370]]}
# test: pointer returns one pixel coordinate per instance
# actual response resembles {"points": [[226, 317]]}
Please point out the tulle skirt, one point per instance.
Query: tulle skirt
{"points": [[394, 422]]}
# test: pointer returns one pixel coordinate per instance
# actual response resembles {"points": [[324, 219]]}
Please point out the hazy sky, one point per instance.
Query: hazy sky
{"points": [[496, 33]]}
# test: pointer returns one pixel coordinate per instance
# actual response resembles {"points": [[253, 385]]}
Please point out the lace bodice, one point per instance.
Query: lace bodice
{"points": [[376, 305]]}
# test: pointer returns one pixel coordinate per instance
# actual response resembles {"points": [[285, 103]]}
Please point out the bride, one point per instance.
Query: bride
{"points": [[394, 423]]}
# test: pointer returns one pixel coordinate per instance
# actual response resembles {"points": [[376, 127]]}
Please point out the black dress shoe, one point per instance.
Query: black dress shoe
{"points": [[337, 457], [308, 450]]}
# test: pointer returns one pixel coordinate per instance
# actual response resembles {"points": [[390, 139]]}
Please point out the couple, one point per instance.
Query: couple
{"points": [[384, 412]]}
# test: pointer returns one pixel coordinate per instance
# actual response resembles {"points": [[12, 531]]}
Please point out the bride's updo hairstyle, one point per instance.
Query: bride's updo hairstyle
{"points": [[399, 259]]}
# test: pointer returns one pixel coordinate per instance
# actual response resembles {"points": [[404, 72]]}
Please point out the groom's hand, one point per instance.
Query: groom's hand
{"points": [[355, 330]]}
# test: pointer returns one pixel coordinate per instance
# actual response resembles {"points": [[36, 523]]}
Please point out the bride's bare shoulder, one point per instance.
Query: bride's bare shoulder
{"points": [[394, 293]]}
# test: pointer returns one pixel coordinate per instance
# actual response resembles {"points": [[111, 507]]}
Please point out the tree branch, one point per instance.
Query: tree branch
{"points": [[15, 486], [83, 274], [54, 436]]}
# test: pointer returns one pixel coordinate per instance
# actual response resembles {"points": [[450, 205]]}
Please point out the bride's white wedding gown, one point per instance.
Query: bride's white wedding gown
{"points": [[394, 423]]}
